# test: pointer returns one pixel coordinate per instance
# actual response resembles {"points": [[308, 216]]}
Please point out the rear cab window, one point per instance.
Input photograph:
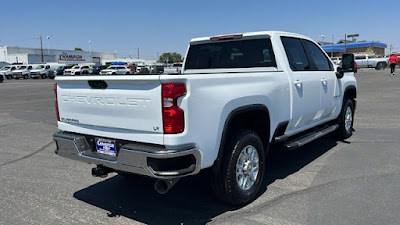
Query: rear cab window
{"points": [[231, 54]]}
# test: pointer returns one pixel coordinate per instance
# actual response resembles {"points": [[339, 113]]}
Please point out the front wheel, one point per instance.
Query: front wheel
{"points": [[1, 79], [9, 77], [346, 120], [239, 178], [43, 76], [26, 76]]}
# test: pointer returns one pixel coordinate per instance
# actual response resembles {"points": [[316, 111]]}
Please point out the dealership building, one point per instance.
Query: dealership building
{"points": [[335, 50], [15, 54]]}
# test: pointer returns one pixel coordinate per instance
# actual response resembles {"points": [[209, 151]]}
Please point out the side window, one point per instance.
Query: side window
{"points": [[47, 67], [85, 67], [317, 57], [359, 57], [296, 55]]}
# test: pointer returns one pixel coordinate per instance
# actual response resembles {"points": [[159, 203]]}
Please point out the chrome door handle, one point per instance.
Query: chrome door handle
{"points": [[298, 83], [324, 81]]}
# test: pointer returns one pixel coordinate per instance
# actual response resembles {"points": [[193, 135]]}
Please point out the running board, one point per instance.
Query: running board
{"points": [[298, 142]]}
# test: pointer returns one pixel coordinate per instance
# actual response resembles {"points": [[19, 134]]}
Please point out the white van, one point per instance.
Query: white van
{"points": [[45, 70], [23, 71]]}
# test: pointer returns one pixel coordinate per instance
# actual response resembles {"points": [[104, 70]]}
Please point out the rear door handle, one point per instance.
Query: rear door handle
{"points": [[298, 83], [324, 81]]}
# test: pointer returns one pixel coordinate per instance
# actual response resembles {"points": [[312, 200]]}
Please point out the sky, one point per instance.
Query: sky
{"points": [[156, 27]]}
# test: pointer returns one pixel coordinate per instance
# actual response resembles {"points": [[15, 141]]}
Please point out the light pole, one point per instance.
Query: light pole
{"points": [[90, 47], [41, 46], [323, 38], [48, 50]]}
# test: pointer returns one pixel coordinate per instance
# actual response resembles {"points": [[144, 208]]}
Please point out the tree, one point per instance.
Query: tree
{"points": [[170, 57], [77, 49]]}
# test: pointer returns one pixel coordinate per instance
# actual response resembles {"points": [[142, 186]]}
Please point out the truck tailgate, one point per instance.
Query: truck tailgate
{"points": [[129, 103]]}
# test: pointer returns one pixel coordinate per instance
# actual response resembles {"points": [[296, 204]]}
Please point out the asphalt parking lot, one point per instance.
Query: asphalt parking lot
{"points": [[326, 182]]}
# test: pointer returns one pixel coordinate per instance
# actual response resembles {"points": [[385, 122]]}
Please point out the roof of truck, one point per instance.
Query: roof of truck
{"points": [[249, 34]]}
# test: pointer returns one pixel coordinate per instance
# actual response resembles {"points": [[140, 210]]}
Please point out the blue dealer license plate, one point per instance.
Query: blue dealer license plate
{"points": [[105, 146]]}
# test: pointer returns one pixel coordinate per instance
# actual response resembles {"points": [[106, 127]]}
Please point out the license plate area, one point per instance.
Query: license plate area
{"points": [[106, 147]]}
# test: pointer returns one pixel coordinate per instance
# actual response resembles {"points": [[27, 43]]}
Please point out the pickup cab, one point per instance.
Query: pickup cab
{"points": [[371, 61], [237, 94], [176, 68]]}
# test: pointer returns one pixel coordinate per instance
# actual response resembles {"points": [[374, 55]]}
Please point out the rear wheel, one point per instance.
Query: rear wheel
{"points": [[239, 178], [43, 76], [380, 66], [1, 79], [9, 77], [26, 76]]}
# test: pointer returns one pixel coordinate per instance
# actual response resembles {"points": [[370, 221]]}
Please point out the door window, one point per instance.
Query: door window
{"points": [[317, 58]]}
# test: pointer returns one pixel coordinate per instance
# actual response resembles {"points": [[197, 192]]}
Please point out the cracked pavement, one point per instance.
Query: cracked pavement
{"points": [[325, 182]]}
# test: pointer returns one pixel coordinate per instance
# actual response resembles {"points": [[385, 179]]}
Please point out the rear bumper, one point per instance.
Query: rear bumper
{"points": [[144, 159]]}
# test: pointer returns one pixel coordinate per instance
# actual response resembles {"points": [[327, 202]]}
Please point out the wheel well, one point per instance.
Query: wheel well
{"points": [[350, 93], [255, 120], [254, 117]]}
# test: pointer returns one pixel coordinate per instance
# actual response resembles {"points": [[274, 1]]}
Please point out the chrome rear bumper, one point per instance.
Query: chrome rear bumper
{"points": [[145, 159]]}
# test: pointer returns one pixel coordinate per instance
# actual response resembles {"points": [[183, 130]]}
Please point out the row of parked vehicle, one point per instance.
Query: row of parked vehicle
{"points": [[50, 70], [379, 62]]}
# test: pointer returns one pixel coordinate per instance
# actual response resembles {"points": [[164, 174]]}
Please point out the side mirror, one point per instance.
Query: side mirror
{"points": [[348, 65], [339, 73]]}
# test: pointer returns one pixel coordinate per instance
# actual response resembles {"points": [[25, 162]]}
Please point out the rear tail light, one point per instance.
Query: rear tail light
{"points": [[56, 102], [173, 116]]}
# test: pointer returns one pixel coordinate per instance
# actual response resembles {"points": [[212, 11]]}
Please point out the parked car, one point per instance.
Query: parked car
{"points": [[336, 60], [22, 72], [95, 69], [44, 70], [223, 112], [370, 61], [59, 70], [77, 70], [116, 70], [6, 71], [174, 69]]}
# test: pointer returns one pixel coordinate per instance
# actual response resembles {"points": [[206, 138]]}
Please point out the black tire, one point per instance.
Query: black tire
{"points": [[43, 76], [1, 79], [380, 66], [127, 73], [113, 73], [224, 179], [9, 77], [26, 76], [342, 132]]}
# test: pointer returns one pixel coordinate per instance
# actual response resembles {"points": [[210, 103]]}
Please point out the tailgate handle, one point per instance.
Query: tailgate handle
{"points": [[97, 84]]}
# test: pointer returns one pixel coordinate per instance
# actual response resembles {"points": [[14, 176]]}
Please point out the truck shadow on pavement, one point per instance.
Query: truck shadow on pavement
{"points": [[191, 200]]}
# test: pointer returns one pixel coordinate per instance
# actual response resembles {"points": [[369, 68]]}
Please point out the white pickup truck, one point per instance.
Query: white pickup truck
{"points": [[371, 61], [176, 68], [236, 95]]}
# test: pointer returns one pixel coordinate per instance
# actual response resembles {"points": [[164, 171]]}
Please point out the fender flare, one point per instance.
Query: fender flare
{"points": [[228, 121]]}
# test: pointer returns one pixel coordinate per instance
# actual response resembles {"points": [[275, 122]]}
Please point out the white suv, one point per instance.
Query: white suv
{"points": [[77, 70], [116, 70]]}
